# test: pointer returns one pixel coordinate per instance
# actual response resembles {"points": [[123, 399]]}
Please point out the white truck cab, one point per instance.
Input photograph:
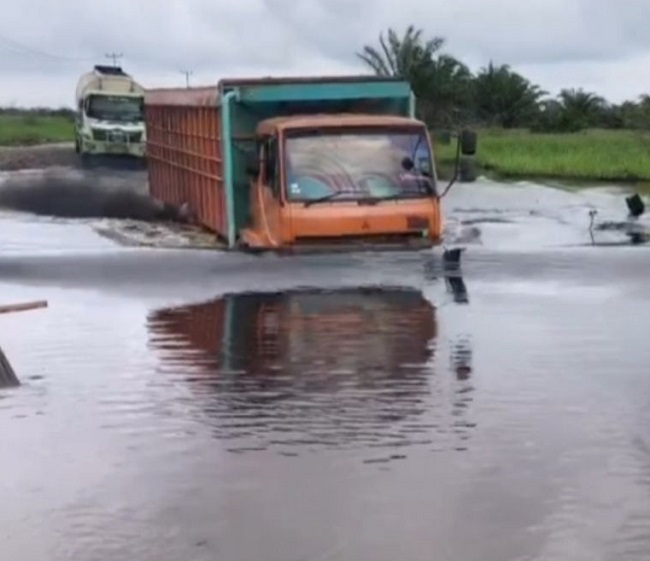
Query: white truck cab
{"points": [[109, 114]]}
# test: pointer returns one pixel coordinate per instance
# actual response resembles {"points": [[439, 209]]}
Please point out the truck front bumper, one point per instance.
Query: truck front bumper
{"points": [[94, 147], [407, 241]]}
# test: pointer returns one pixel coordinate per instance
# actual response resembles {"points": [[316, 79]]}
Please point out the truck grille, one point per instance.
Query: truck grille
{"points": [[116, 136], [99, 134]]}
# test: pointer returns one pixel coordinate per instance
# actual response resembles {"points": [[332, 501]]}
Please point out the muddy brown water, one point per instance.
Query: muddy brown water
{"points": [[197, 405]]}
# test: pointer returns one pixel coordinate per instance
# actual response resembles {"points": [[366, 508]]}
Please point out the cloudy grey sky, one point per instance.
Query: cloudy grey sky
{"points": [[601, 45]]}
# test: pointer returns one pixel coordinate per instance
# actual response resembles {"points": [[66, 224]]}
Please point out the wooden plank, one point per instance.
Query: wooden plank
{"points": [[24, 307], [8, 377]]}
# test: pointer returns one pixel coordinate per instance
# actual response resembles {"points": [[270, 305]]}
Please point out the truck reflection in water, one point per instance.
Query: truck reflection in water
{"points": [[309, 369]]}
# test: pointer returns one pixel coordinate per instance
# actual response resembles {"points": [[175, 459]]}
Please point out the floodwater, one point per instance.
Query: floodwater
{"points": [[191, 405]]}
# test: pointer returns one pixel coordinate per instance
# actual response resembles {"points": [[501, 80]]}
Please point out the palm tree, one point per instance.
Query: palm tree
{"points": [[581, 109], [506, 98], [401, 57], [450, 90], [636, 115], [441, 84], [580, 100], [644, 111]]}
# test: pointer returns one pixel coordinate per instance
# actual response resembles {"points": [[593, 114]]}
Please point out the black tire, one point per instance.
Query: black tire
{"points": [[467, 169]]}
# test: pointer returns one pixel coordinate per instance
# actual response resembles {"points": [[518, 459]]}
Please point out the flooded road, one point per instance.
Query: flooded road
{"points": [[196, 405]]}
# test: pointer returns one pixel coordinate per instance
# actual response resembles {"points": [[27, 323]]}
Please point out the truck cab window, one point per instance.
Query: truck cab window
{"points": [[357, 164], [115, 108]]}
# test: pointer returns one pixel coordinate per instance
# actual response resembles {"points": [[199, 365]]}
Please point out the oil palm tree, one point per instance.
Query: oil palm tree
{"points": [[403, 57], [441, 84], [581, 109], [505, 98]]}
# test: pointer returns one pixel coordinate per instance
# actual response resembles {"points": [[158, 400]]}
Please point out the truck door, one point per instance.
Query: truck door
{"points": [[271, 192]]}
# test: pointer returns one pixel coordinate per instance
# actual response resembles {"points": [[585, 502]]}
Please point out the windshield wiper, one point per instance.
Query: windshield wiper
{"points": [[329, 197], [398, 196]]}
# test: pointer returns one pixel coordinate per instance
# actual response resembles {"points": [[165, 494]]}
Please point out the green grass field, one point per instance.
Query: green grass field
{"points": [[27, 130], [594, 155]]}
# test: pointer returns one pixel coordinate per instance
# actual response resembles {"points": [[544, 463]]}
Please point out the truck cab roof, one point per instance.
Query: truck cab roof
{"points": [[277, 124]]}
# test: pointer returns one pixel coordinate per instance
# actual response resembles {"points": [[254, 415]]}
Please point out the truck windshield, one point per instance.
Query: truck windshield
{"points": [[116, 108], [358, 165]]}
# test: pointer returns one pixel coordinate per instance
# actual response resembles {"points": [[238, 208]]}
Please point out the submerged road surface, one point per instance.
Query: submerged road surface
{"points": [[180, 405]]}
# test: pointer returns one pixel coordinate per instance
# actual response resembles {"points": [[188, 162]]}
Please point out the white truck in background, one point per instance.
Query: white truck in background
{"points": [[109, 114]]}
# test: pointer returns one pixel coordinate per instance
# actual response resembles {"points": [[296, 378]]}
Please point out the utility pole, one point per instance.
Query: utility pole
{"points": [[114, 57], [187, 73]]}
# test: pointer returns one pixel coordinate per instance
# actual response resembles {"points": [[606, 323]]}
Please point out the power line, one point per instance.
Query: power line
{"points": [[10, 45], [19, 48], [187, 73]]}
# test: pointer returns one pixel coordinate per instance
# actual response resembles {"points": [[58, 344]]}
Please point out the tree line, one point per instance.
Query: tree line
{"points": [[35, 112], [449, 94]]}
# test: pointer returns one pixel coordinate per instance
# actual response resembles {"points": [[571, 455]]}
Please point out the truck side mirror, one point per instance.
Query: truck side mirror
{"points": [[468, 140]]}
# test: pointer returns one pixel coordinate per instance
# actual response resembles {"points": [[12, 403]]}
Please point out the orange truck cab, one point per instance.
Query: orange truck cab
{"points": [[301, 163]]}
